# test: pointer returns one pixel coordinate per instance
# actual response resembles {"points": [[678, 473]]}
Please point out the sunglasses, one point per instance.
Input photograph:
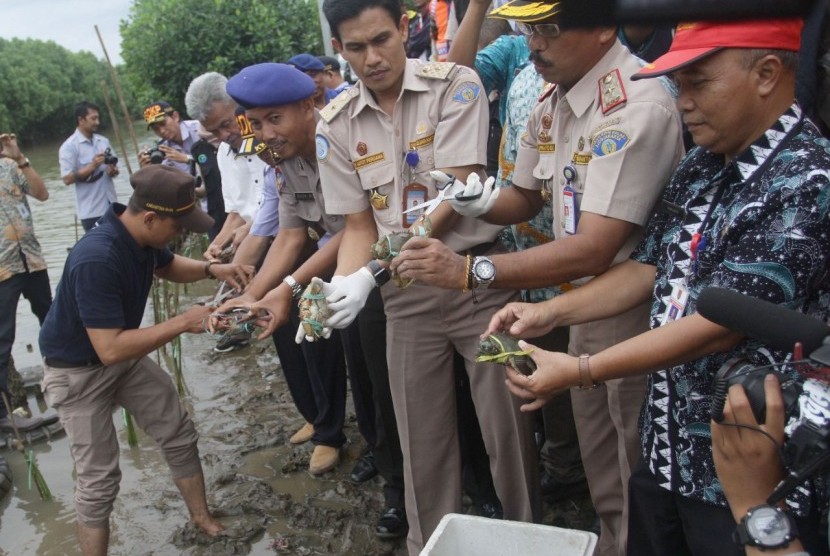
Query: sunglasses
{"points": [[546, 30]]}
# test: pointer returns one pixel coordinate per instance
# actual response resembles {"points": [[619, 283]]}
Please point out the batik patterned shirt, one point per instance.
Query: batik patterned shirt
{"points": [[763, 222], [19, 249]]}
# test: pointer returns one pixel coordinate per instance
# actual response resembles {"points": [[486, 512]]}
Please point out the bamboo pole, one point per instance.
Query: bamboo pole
{"points": [[115, 126], [119, 93]]}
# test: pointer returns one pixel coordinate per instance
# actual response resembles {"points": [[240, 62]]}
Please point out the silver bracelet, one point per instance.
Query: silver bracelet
{"points": [[296, 288]]}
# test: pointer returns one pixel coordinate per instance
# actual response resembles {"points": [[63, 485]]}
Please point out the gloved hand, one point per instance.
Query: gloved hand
{"points": [[326, 332], [346, 296], [475, 207]]}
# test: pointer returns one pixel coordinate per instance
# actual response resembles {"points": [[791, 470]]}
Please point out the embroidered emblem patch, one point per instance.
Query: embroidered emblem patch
{"points": [[202, 158], [362, 149], [466, 93], [322, 145], [609, 141]]}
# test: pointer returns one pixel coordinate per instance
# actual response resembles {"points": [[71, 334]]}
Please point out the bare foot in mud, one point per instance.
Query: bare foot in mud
{"points": [[207, 525]]}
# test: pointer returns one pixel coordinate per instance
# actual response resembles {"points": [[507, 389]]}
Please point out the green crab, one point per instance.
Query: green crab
{"points": [[389, 246], [313, 309], [504, 349]]}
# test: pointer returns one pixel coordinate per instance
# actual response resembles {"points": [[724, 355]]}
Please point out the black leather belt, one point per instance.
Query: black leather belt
{"points": [[61, 364]]}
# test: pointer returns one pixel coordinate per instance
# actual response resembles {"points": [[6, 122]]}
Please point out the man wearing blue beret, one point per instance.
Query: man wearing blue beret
{"points": [[279, 103], [314, 68]]}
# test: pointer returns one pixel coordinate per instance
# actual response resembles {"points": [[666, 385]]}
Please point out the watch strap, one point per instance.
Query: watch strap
{"points": [[379, 273], [586, 382]]}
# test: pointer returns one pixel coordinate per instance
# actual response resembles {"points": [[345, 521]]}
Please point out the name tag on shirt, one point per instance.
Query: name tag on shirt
{"points": [[23, 210], [304, 196], [677, 304]]}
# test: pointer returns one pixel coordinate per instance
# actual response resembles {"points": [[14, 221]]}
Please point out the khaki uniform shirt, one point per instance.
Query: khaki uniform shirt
{"points": [[301, 197], [442, 115], [622, 138]]}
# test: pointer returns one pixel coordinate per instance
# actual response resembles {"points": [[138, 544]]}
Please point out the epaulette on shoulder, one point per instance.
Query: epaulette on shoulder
{"points": [[336, 105], [547, 92], [611, 91], [436, 70]]}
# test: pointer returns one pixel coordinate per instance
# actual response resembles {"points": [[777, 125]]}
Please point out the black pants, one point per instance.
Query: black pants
{"points": [[387, 445], [316, 376], [34, 286], [662, 522]]}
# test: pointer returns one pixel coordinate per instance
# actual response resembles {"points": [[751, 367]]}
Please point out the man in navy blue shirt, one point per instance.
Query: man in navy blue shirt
{"points": [[96, 356]]}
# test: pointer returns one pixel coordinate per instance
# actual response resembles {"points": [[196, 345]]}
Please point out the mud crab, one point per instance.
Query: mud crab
{"points": [[313, 309], [389, 246], [504, 349]]}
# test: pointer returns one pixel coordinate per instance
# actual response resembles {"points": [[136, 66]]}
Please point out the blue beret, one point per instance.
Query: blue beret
{"points": [[269, 84], [306, 62]]}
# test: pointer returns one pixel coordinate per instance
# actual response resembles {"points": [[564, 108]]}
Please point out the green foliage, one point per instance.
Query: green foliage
{"points": [[166, 43], [40, 85]]}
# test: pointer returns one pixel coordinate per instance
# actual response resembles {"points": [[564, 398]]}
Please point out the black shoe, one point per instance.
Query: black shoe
{"points": [[491, 510], [392, 524], [553, 490], [364, 469]]}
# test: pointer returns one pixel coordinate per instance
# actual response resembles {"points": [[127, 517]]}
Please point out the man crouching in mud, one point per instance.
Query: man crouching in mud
{"points": [[96, 356]]}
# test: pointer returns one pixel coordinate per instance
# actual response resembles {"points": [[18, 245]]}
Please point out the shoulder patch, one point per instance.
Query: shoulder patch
{"points": [[547, 92], [435, 70], [609, 141], [611, 91], [333, 108], [322, 148], [466, 93]]}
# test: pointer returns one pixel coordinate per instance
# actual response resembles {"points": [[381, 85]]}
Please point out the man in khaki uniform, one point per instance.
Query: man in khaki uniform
{"points": [[600, 149], [376, 145]]}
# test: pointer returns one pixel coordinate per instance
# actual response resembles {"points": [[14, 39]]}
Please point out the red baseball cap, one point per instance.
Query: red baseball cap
{"points": [[695, 41]]}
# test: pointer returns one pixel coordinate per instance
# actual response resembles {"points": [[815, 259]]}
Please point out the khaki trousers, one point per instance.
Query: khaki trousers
{"points": [[607, 420], [85, 398], [424, 324]]}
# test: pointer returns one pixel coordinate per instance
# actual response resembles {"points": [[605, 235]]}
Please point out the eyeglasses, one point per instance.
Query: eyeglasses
{"points": [[547, 30]]}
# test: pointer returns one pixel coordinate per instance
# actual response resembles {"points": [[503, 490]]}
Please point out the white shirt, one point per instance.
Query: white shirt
{"points": [[242, 178]]}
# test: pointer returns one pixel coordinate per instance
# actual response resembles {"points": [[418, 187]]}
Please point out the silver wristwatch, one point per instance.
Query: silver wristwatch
{"points": [[484, 271], [296, 288]]}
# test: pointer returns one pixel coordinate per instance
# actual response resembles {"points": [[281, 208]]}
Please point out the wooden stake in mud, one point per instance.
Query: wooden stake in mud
{"points": [[115, 127], [119, 93], [34, 471]]}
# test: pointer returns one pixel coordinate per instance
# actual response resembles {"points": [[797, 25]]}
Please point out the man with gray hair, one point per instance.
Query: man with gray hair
{"points": [[242, 174]]}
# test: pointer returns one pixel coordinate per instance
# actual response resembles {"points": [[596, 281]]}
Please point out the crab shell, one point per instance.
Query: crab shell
{"points": [[313, 310], [389, 246], [504, 349]]}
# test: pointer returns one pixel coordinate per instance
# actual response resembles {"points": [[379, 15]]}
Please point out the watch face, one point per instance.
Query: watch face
{"points": [[485, 270], [768, 526]]}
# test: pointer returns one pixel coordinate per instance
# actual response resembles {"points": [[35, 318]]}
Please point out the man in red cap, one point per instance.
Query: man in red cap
{"points": [[747, 210], [96, 354]]}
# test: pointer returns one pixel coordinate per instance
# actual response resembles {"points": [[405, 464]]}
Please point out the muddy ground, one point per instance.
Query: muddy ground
{"points": [[257, 483]]}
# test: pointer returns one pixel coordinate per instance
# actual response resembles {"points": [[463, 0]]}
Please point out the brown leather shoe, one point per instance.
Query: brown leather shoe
{"points": [[302, 435], [323, 458]]}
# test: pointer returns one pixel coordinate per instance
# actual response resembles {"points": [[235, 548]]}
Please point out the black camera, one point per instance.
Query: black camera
{"points": [[109, 157], [156, 155], [740, 371]]}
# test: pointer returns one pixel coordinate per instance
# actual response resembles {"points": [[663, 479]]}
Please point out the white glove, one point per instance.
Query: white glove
{"points": [[346, 296], [326, 332], [476, 207]]}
